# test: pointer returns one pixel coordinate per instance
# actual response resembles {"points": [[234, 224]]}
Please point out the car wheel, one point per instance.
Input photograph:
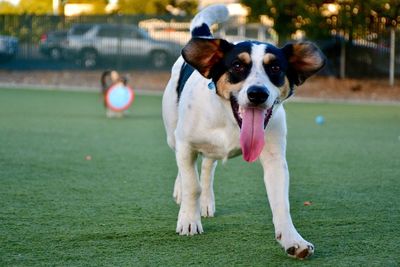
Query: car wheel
{"points": [[89, 59], [159, 59], [55, 53]]}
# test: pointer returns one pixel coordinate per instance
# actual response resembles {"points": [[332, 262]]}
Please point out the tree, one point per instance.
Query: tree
{"points": [[142, 6], [155, 7], [188, 6], [320, 19], [288, 15], [7, 8], [38, 7]]}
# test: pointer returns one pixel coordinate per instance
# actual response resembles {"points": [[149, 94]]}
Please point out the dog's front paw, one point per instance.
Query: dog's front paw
{"points": [[207, 204], [294, 245], [189, 225]]}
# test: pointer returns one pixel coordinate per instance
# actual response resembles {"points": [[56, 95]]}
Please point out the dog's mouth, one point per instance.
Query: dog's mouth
{"points": [[252, 122]]}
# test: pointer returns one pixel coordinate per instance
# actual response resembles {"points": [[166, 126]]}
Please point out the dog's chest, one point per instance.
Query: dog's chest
{"points": [[220, 143], [206, 121]]}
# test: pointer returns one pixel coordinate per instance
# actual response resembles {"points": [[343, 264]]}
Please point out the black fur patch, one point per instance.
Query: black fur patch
{"points": [[227, 63], [186, 72], [237, 69], [280, 62], [201, 31]]}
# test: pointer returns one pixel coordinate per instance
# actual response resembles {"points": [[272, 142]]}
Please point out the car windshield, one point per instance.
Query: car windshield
{"points": [[80, 29]]}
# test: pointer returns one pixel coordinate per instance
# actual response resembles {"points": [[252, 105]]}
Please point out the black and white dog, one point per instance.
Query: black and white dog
{"points": [[224, 100]]}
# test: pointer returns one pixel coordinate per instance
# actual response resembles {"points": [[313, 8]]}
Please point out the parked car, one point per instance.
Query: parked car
{"points": [[8, 48], [52, 44], [177, 32], [91, 43]]}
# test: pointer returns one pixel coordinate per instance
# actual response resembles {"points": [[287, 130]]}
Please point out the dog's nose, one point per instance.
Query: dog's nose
{"points": [[257, 94]]}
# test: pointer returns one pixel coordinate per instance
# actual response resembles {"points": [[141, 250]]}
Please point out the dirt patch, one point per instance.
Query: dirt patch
{"points": [[349, 89], [317, 87]]}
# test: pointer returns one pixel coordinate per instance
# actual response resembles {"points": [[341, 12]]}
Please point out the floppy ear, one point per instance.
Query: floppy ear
{"points": [[305, 59], [203, 53]]}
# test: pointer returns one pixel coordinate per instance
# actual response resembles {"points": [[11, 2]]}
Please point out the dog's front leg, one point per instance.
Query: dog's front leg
{"points": [[189, 221], [276, 178]]}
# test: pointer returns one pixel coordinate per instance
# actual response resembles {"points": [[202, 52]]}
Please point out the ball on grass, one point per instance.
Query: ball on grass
{"points": [[319, 120]]}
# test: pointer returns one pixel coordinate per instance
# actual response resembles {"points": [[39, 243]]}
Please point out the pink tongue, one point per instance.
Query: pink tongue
{"points": [[252, 133]]}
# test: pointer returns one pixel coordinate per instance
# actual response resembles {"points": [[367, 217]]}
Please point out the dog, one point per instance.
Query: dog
{"points": [[223, 100]]}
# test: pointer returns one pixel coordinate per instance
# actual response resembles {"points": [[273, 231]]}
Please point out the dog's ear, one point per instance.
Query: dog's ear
{"points": [[203, 53], [305, 59]]}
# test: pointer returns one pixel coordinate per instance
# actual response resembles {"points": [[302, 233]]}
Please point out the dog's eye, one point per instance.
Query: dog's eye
{"points": [[275, 69], [238, 66]]}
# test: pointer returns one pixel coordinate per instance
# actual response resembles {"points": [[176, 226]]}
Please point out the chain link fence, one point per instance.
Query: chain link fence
{"points": [[44, 43]]}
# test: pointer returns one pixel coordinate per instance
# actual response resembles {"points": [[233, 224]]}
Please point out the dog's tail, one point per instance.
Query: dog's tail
{"points": [[202, 22]]}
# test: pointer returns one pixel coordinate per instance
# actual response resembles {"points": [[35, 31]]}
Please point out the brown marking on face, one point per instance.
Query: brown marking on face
{"points": [[225, 88], [245, 57], [268, 57], [284, 89]]}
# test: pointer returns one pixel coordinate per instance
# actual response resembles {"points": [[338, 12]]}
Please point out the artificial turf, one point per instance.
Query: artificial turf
{"points": [[78, 189]]}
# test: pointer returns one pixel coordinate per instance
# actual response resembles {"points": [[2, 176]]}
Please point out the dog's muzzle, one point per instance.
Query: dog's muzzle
{"points": [[252, 120]]}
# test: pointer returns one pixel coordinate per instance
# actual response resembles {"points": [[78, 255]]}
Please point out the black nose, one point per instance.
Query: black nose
{"points": [[257, 94]]}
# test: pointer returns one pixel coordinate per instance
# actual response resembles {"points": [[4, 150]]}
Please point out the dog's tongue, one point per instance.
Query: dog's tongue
{"points": [[252, 133]]}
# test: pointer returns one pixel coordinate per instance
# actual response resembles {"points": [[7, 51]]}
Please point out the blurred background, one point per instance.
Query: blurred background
{"points": [[69, 42]]}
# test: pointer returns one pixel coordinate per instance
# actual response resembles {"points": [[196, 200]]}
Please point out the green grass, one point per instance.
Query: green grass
{"points": [[58, 209]]}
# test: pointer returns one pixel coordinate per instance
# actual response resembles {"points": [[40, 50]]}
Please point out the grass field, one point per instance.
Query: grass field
{"points": [[57, 208]]}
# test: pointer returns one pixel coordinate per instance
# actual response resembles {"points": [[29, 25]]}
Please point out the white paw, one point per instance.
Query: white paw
{"points": [[177, 191], [188, 225], [294, 245], [207, 204]]}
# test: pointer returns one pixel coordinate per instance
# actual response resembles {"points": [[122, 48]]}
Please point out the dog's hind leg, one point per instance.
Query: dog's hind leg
{"points": [[207, 200]]}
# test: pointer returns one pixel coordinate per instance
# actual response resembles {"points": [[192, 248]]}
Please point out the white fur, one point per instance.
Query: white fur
{"points": [[203, 124]]}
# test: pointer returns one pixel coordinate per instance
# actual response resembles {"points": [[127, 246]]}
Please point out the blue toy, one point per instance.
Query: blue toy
{"points": [[319, 120]]}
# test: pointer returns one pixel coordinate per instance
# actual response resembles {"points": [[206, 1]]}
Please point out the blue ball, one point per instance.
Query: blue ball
{"points": [[319, 120]]}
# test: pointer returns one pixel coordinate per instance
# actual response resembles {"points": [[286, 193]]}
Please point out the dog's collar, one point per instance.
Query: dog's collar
{"points": [[211, 85]]}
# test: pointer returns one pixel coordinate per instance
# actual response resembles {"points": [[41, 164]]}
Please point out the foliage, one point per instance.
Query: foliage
{"points": [[188, 6], [7, 8], [28, 7], [319, 19], [142, 6], [148, 7], [154, 7], [60, 209]]}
